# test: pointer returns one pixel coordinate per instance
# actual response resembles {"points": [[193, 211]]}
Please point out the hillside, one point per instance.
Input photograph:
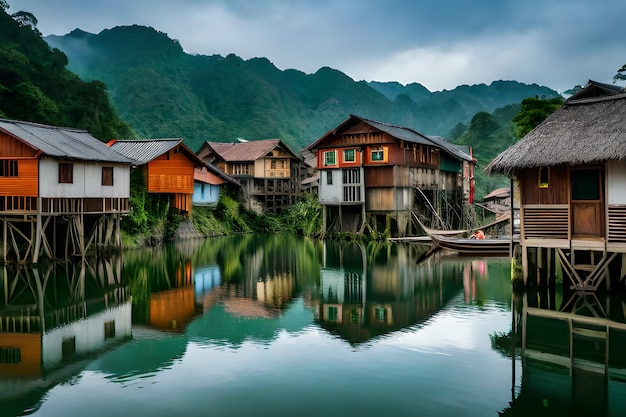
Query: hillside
{"points": [[36, 86], [162, 91]]}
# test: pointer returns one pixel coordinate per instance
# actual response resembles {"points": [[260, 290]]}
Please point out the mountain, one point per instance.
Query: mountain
{"points": [[36, 86], [162, 91]]}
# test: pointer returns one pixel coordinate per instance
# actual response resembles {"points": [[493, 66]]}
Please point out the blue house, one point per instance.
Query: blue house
{"points": [[207, 183]]}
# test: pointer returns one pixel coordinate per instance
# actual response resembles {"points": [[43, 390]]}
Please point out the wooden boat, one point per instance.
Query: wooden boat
{"points": [[468, 246], [452, 240]]}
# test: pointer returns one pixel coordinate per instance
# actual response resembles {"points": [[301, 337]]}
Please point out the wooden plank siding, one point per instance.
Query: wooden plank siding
{"points": [[173, 175], [557, 191], [26, 182]]}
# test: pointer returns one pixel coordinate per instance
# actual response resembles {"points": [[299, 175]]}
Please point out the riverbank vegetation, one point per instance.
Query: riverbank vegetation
{"points": [[153, 221]]}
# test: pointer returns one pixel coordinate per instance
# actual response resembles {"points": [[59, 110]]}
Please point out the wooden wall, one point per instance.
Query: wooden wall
{"points": [[173, 175], [87, 180], [557, 191], [25, 184]]}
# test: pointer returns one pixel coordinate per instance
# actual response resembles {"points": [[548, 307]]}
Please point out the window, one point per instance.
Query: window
{"points": [[8, 168], [66, 173], [378, 155], [68, 347], [109, 329], [329, 178], [349, 155], [544, 177], [332, 313], [351, 176], [330, 158], [585, 184], [273, 164], [10, 355], [107, 175], [381, 313]]}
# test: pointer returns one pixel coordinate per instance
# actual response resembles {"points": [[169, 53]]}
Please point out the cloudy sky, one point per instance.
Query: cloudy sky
{"points": [[440, 44]]}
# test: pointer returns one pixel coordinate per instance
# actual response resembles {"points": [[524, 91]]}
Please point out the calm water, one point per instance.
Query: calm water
{"points": [[282, 326]]}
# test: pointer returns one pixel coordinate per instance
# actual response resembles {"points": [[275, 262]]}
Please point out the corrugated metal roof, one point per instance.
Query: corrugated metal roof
{"points": [[144, 151], [62, 142], [247, 151]]}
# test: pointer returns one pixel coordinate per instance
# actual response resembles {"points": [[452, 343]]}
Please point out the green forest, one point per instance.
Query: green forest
{"points": [[136, 82]]}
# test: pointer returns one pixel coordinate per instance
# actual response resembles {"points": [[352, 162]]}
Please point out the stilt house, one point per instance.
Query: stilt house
{"points": [[62, 191], [268, 171], [167, 166], [377, 175], [571, 174]]}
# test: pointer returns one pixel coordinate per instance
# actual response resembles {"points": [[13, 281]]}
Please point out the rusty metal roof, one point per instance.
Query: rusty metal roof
{"points": [[247, 151], [401, 133], [62, 142]]}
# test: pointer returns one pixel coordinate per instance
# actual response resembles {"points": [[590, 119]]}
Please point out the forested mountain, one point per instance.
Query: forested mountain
{"points": [[36, 86], [162, 91]]}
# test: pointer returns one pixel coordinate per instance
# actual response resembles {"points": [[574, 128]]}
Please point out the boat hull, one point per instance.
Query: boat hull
{"points": [[484, 247]]}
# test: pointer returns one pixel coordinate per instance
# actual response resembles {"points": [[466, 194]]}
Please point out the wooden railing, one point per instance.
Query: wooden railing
{"points": [[617, 224], [546, 221], [18, 204]]}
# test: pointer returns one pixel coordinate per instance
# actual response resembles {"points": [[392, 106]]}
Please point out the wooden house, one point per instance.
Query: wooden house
{"points": [[62, 191], [373, 173], [571, 174], [208, 181], [167, 166], [268, 171]]}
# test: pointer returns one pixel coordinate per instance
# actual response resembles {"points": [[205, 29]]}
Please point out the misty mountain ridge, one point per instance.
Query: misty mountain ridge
{"points": [[162, 91]]}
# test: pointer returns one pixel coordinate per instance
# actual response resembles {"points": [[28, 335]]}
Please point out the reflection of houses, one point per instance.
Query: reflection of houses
{"points": [[571, 172], [59, 315], [268, 171], [174, 308], [167, 167], [373, 173], [62, 191], [208, 181], [360, 301], [572, 357]]}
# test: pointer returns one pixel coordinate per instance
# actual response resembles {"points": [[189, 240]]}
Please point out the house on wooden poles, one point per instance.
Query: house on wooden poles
{"points": [[208, 182], [378, 175], [62, 192], [166, 167], [571, 174], [268, 171]]}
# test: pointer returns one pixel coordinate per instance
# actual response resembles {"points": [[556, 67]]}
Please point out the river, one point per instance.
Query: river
{"points": [[284, 326]]}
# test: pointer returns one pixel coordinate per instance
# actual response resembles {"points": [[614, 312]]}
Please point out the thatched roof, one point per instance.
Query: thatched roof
{"points": [[580, 132]]}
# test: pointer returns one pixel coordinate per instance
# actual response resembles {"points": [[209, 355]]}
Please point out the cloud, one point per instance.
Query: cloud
{"points": [[439, 44]]}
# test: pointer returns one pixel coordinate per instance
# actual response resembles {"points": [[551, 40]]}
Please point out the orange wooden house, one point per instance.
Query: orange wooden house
{"points": [[167, 165]]}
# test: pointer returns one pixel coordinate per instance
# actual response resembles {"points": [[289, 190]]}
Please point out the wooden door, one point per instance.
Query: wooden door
{"points": [[587, 201]]}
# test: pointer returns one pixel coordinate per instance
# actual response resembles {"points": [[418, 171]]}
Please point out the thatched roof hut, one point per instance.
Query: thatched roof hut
{"points": [[582, 131]]}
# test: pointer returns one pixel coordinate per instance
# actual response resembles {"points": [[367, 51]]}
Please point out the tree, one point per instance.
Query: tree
{"points": [[534, 111], [621, 74]]}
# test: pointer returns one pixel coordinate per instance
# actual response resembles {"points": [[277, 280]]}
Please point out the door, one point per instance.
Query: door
{"points": [[587, 202]]}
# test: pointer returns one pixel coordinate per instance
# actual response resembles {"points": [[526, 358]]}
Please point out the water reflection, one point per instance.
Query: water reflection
{"points": [[278, 325], [364, 296], [55, 318], [572, 349]]}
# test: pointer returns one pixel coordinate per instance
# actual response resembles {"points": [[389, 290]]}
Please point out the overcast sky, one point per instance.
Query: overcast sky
{"points": [[440, 43]]}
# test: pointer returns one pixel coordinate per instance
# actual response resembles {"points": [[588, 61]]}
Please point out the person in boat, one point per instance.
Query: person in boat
{"points": [[479, 234]]}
